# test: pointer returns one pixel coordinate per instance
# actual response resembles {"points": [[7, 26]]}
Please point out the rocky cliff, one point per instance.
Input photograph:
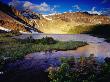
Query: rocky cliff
{"points": [[13, 19]]}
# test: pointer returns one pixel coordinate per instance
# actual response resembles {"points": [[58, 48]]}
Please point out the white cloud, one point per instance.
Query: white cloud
{"points": [[14, 3], [76, 7], [94, 11], [43, 7], [70, 11], [93, 8], [27, 4], [106, 11], [53, 9]]}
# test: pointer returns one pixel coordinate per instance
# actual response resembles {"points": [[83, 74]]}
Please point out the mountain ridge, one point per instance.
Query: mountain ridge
{"points": [[13, 19], [63, 23]]}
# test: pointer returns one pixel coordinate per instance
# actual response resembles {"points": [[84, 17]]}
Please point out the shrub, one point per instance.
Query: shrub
{"points": [[83, 69], [46, 40]]}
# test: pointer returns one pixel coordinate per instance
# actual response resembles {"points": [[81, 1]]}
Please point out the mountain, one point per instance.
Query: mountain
{"points": [[23, 21], [74, 22], [31, 15], [14, 20]]}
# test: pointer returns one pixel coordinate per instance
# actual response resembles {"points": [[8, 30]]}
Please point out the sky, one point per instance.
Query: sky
{"points": [[60, 6]]}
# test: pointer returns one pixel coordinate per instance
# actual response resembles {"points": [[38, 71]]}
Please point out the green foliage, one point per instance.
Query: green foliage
{"points": [[83, 69], [99, 30], [66, 60], [80, 29], [17, 48], [46, 40], [105, 76], [102, 30]]}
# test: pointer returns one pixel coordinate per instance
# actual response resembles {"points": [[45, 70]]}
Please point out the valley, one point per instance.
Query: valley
{"points": [[54, 47], [35, 56]]}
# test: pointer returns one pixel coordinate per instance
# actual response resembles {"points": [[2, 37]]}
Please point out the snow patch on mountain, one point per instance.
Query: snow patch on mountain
{"points": [[45, 16], [5, 29]]}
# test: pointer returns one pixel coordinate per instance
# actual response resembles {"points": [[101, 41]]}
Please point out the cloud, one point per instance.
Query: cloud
{"points": [[104, 1], [14, 3], [42, 8], [94, 11], [27, 4], [70, 11], [17, 4], [93, 8], [76, 7], [106, 11], [52, 10]]}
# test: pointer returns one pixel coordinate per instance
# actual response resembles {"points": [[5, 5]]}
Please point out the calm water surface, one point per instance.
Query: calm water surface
{"points": [[97, 46]]}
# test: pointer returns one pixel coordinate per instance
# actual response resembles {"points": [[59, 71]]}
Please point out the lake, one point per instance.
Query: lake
{"points": [[33, 64]]}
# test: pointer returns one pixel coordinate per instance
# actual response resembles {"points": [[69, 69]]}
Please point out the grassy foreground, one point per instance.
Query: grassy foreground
{"points": [[16, 48]]}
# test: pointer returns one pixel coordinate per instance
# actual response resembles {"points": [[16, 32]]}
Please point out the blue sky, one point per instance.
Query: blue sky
{"points": [[53, 6]]}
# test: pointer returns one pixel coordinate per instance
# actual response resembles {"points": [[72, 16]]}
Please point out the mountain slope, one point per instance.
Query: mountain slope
{"points": [[63, 23], [13, 19], [74, 23]]}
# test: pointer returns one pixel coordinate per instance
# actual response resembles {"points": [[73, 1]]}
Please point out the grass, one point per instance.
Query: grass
{"points": [[80, 29], [16, 48], [99, 30]]}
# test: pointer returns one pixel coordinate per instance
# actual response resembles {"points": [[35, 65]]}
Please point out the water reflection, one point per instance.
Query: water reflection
{"points": [[99, 50], [97, 46]]}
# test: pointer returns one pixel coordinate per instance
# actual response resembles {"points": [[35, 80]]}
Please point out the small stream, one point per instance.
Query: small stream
{"points": [[34, 63]]}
